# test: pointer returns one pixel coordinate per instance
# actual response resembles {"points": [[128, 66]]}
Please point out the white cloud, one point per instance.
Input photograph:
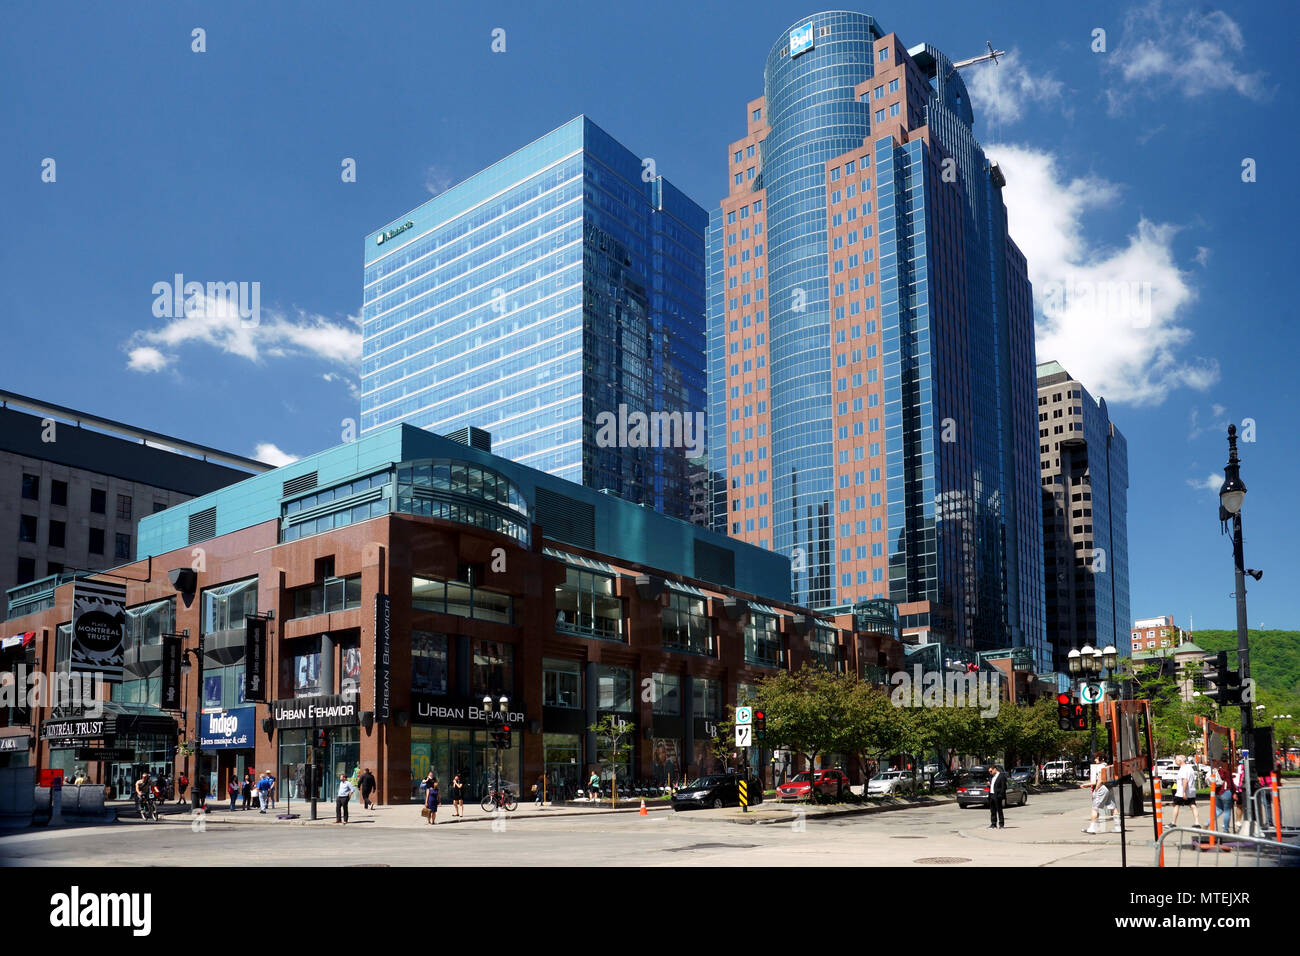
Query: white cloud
{"points": [[354, 386], [1110, 315], [437, 179], [269, 333], [1190, 51], [1202, 257], [1000, 92], [272, 455], [1211, 483], [146, 358]]}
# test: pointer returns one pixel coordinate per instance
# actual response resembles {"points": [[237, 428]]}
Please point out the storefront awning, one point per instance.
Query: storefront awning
{"points": [[764, 609], [136, 720], [686, 589], [580, 562]]}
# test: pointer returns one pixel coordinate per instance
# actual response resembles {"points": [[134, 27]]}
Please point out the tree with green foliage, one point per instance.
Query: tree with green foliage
{"points": [[617, 736]]}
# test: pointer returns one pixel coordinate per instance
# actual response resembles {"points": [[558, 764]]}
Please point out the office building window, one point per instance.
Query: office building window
{"points": [[27, 528], [493, 670], [57, 533], [428, 662], [562, 684], [667, 692], [124, 507], [26, 570], [96, 541], [686, 624], [32, 487], [585, 604], [59, 493], [762, 640], [707, 696], [614, 689]]}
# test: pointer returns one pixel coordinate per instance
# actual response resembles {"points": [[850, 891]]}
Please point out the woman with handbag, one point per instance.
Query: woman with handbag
{"points": [[431, 798]]}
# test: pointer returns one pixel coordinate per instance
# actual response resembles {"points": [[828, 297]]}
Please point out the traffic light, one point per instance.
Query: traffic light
{"points": [[1064, 712], [322, 740], [760, 725], [506, 741], [1079, 717], [1227, 684]]}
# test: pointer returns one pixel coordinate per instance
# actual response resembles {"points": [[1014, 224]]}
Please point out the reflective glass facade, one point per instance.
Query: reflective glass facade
{"points": [[564, 281], [871, 343]]}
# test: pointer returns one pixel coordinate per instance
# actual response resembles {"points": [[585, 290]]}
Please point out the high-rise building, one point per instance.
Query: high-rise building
{"points": [[74, 486], [1085, 517], [551, 300], [871, 342]]}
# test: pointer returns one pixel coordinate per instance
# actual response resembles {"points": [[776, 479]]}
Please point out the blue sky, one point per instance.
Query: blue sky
{"points": [[1122, 166]]}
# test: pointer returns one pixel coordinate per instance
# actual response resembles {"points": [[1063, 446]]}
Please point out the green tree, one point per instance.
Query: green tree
{"points": [[617, 736]]}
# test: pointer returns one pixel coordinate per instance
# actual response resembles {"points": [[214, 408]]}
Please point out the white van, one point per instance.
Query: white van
{"points": [[1057, 770]]}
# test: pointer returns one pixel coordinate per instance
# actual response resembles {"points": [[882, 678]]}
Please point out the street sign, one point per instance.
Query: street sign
{"points": [[744, 735], [1091, 693], [744, 715]]}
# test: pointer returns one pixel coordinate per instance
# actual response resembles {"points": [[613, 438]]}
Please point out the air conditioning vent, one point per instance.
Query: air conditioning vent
{"points": [[203, 525], [566, 519], [295, 486]]}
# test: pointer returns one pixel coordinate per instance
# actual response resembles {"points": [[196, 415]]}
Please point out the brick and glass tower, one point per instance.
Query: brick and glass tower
{"points": [[1084, 460], [872, 374]]}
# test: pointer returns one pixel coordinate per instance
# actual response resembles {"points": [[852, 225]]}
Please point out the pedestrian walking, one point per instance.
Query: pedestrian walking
{"points": [[431, 799], [247, 789], [341, 802], [264, 792], [593, 786], [1224, 798], [997, 797], [233, 789], [539, 789], [1102, 801], [1185, 790], [182, 784], [367, 788], [457, 796]]}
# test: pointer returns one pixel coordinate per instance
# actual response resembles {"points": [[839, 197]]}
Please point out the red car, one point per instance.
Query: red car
{"points": [[829, 782]]}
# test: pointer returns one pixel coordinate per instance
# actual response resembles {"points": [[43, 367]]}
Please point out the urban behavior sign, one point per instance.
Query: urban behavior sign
{"points": [[98, 628], [383, 657], [331, 710]]}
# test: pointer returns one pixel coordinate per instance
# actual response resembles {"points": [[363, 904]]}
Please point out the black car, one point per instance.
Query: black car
{"points": [[973, 790], [717, 791]]}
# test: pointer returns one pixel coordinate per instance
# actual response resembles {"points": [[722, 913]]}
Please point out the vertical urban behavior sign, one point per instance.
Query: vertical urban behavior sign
{"points": [[171, 671], [98, 628], [383, 657], [255, 659]]}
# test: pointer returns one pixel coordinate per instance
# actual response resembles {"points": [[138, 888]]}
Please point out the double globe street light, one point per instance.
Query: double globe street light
{"points": [[1089, 662]]}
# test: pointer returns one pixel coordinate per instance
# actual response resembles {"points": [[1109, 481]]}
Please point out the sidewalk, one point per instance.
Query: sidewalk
{"points": [[408, 815]]}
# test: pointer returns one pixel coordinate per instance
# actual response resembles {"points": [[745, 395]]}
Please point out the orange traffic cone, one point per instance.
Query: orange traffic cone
{"points": [[644, 812]]}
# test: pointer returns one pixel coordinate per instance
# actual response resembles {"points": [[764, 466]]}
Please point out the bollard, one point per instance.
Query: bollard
{"points": [[1277, 806], [1160, 819]]}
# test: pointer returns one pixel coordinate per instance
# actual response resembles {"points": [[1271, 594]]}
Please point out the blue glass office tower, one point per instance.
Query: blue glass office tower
{"points": [[872, 375], [1084, 461], [561, 283]]}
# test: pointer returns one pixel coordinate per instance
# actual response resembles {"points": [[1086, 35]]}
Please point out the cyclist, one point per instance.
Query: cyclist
{"points": [[143, 794]]}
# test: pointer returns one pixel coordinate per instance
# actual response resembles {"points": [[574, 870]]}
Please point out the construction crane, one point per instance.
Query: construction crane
{"points": [[991, 55]]}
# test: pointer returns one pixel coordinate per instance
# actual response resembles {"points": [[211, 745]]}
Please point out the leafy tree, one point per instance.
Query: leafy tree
{"points": [[617, 736]]}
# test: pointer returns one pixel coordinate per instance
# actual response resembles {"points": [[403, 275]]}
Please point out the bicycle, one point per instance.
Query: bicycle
{"points": [[495, 799], [149, 806]]}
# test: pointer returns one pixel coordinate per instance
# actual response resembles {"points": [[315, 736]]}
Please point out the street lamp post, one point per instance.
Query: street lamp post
{"points": [[496, 717], [196, 794], [1232, 496]]}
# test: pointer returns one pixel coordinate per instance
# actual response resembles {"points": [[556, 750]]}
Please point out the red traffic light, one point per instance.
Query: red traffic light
{"points": [[505, 728], [758, 715], [1063, 699]]}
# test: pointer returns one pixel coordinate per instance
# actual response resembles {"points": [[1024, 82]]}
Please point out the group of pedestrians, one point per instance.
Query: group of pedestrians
{"points": [[365, 785], [261, 788], [433, 796]]}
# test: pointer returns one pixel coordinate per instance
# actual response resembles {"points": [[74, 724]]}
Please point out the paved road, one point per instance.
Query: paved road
{"points": [[1044, 833]]}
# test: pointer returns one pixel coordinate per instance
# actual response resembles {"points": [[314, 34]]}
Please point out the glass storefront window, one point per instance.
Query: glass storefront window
{"points": [[428, 662], [493, 670], [462, 600], [762, 640], [585, 604], [687, 625], [562, 754], [225, 607], [450, 750], [614, 689], [668, 694], [707, 695], [342, 756], [335, 594], [562, 684], [824, 647]]}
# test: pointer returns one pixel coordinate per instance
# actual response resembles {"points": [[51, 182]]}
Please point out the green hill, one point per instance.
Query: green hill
{"points": [[1274, 657]]}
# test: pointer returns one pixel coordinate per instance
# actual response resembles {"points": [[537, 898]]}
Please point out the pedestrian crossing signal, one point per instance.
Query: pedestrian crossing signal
{"points": [[1079, 717]]}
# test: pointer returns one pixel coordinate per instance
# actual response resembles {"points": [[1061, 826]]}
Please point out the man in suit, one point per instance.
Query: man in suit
{"points": [[997, 797]]}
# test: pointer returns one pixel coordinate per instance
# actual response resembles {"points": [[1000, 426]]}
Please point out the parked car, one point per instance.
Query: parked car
{"points": [[1023, 775], [891, 782], [941, 780], [1057, 770], [973, 790], [830, 782], [715, 792], [1167, 771]]}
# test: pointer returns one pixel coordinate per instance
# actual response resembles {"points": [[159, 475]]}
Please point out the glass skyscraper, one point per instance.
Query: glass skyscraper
{"points": [[872, 375], [535, 300], [1084, 461]]}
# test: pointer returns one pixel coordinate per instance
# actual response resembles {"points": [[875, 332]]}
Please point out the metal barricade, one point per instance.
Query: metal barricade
{"points": [[1229, 849], [1284, 800]]}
